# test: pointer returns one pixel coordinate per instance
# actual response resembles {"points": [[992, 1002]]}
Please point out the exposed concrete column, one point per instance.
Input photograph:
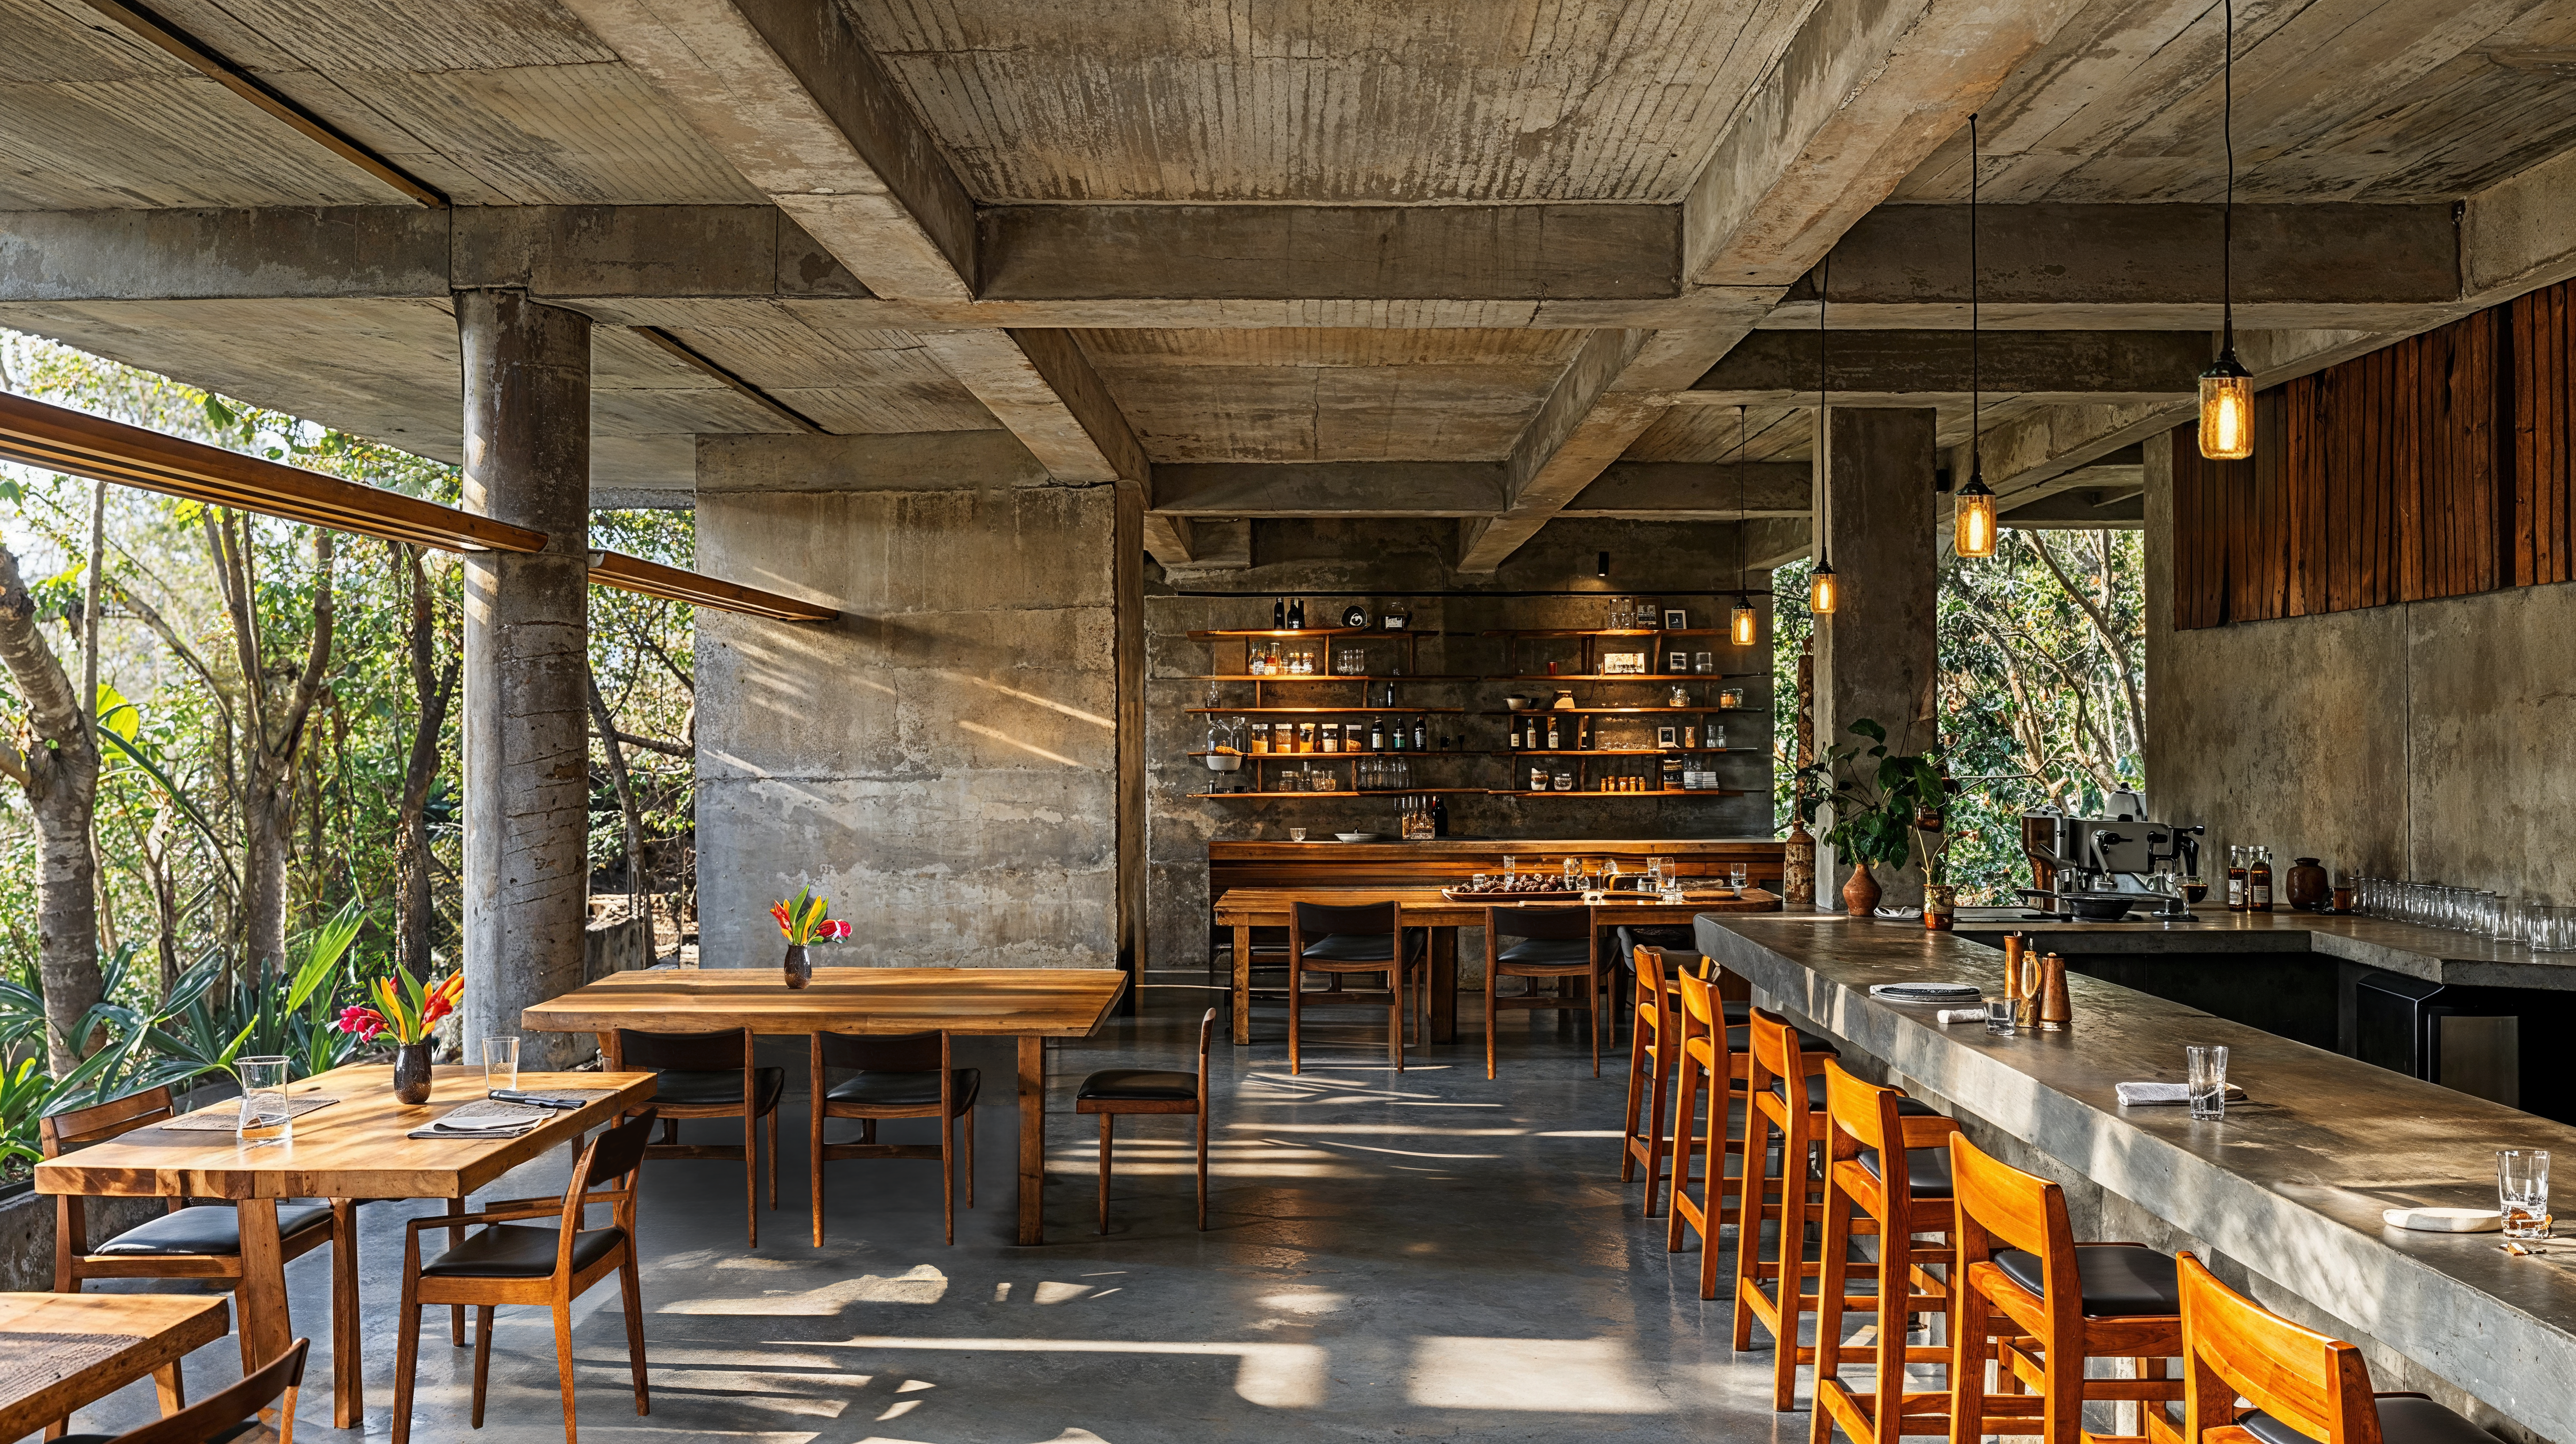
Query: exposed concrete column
{"points": [[527, 644], [1877, 656]]}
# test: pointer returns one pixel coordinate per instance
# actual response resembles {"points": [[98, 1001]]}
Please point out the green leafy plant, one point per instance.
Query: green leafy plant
{"points": [[1889, 808]]}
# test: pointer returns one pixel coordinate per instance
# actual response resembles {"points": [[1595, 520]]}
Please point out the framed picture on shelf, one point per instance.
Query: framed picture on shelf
{"points": [[1676, 662], [1664, 737], [1622, 663], [1676, 619]]}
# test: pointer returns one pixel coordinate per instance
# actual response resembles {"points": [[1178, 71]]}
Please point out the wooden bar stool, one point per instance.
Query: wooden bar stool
{"points": [[1544, 943], [1863, 1196], [1779, 1094], [2305, 1388], [1335, 941], [2050, 1304], [1708, 1053], [1654, 1056]]}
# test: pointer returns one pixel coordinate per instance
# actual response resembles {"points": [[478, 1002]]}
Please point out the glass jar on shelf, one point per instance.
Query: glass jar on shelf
{"points": [[1730, 698], [1350, 662]]}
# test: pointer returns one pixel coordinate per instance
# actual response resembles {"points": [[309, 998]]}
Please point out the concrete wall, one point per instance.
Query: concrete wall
{"points": [[941, 761], [1333, 564], [2426, 739]]}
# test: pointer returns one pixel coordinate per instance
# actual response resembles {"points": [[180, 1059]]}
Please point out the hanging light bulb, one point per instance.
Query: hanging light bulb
{"points": [[1824, 591], [2226, 388], [1742, 627], [1973, 514], [1823, 595]]}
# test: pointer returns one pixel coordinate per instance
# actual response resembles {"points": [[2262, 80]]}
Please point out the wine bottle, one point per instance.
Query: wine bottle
{"points": [[1439, 817], [1553, 736], [1377, 734], [1278, 614], [2258, 882], [1421, 734], [1297, 615], [2236, 879]]}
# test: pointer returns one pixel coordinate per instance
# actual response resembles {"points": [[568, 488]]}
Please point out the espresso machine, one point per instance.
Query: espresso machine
{"points": [[2096, 869]]}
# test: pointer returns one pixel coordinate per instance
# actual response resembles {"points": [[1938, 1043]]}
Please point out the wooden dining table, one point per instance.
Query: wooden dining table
{"points": [[349, 1150], [1246, 908], [59, 1352], [1027, 1004]]}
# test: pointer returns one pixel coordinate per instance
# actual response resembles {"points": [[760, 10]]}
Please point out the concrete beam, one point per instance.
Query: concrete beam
{"points": [[1773, 368], [1580, 428], [1167, 539], [1215, 546], [1697, 491], [2519, 234], [2083, 508], [1329, 488]]}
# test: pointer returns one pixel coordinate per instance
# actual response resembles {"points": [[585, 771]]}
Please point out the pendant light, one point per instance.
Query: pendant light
{"points": [[2226, 388], [1742, 627], [1824, 590], [1973, 520]]}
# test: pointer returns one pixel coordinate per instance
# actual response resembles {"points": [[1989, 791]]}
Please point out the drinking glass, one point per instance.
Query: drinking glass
{"points": [[1565, 782], [1296, 834], [1573, 871], [1704, 663], [2206, 1069], [1511, 867], [2553, 929], [501, 1064], [263, 1102], [1735, 876], [2522, 1191], [1999, 1015]]}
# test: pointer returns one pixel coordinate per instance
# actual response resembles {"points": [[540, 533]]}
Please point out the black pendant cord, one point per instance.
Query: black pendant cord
{"points": [[2227, 214], [1741, 435], [1824, 466], [1976, 375]]}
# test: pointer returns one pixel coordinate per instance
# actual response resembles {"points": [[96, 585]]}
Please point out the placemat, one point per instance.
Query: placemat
{"points": [[225, 1117], [502, 1114], [34, 1362]]}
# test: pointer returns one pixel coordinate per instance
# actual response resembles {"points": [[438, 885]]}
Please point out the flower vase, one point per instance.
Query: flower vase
{"points": [[411, 1073], [1861, 893], [800, 969], [1940, 906]]}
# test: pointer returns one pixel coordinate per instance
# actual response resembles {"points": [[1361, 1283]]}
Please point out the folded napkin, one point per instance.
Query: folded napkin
{"points": [[1926, 992], [484, 1120], [2134, 1093], [1947, 1016]]}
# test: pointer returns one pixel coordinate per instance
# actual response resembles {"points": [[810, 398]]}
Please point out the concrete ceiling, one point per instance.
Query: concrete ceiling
{"points": [[1501, 260]]}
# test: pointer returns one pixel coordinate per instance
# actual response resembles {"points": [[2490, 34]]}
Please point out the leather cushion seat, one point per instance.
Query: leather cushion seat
{"points": [[717, 1088], [1927, 1170], [1741, 1040], [2121, 1280], [2403, 1419], [1364, 947], [519, 1251], [878, 1089], [225, 1435], [207, 1229], [1139, 1085], [1546, 952]]}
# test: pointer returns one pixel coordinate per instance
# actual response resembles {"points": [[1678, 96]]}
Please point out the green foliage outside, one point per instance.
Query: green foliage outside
{"points": [[2043, 684]]}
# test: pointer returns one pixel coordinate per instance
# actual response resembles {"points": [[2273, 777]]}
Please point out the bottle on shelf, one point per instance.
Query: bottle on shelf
{"points": [[2258, 881], [2236, 879], [1297, 615], [1377, 734], [1439, 816], [1278, 614], [1421, 733], [1554, 737]]}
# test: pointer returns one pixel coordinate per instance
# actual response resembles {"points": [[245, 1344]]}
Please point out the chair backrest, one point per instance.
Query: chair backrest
{"points": [[894, 1053], [1315, 920], [682, 1052], [1861, 1110], [2315, 1385], [612, 1156], [1648, 964], [211, 1416], [1699, 1007], [74, 1127], [616, 1151], [1776, 1056], [1207, 1037], [1997, 1204], [1544, 924]]}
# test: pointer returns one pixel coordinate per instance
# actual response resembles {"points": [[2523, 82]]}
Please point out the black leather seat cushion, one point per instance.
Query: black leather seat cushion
{"points": [[905, 1090], [2403, 1419], [1364, 947], [207, 1229], [1547, 952], [1927, 1170], [717, 1088], [2121, 1280], [1741, 1040], [519, 1251], [1139, 1085], [225, 1435]]}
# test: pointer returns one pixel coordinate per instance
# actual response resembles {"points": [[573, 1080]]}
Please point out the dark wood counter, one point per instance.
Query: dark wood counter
{"points": [[1322, 862], [2291, 1185]]}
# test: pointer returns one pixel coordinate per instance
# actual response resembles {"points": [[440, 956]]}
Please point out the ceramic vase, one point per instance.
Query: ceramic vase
{"points": [[2309, 891], [411, 1073], [800, 968], [1860, 893]]}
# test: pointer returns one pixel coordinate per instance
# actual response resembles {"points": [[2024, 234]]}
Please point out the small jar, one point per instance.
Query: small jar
{"points": [[1538, 779]]}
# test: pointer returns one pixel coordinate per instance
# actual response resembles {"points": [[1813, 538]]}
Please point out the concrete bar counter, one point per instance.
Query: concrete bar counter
{"points": [[2284, 1198]]}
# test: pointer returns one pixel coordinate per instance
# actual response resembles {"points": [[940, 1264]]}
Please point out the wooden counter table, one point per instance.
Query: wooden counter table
{"points": [[1247, 908], [1029, 1004], [2290, 1186]]}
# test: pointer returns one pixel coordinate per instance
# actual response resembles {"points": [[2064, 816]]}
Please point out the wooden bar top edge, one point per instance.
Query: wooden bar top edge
{"points": [[1043, 1002]]}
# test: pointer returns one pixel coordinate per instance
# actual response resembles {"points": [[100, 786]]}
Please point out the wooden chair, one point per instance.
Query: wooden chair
{"points": [[1113, 1091], [1706, 1054], [201, 1241], [229, 1415], [513, 1263], [1779, 1093], [708, 1075], [1654, 1054], [2050, 1304], [1339, 941], [1865, 1122], [1545, 943], [905, 1076], [2303, 1385]]}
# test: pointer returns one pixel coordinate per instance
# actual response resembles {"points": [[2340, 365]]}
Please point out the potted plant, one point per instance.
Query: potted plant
{"points": [[404, 1010], [1889, 808]]}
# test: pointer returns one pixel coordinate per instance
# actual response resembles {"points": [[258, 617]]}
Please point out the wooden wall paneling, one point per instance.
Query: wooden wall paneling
{"points": [[2550, 386], [2305, 438], [2404, 457]]}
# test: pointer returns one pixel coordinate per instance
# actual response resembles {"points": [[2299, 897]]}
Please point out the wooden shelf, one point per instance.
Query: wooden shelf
{"points": [[1666, 792], [1337, 756], [1285, 634], [1544, 633], [1314, 711], [1343, 793], [1329, 677], [1624, 676], [1606, 711], [1609, 751]]}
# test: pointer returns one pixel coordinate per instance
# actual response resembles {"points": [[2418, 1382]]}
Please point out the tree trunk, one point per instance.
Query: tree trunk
{"points": [[627, 806], [60, 774], [414, 918], [272, 736]]}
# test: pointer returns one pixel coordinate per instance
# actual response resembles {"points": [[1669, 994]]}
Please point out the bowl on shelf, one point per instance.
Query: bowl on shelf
{"points": [[1359, 836], [1517, 704]]}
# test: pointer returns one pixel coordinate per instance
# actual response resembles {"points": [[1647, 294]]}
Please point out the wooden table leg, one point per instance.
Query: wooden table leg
{"points": [[172, 1389], [456, 1313], [1033, 1140], [348, 1380], [1444, 985], [261, 1295], [1242, 984]]}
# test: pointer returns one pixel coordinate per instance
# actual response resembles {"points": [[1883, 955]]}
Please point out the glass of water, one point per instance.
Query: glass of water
{"points": [[2206, 1070], [1999, 1015], [1735, 876], [1511, 867], [2522, 1191], [264, 1119], [501, 1064]]}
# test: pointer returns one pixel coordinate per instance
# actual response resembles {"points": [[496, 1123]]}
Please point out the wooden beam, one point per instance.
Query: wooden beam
{"points": [[655, 579], [55, 438]]}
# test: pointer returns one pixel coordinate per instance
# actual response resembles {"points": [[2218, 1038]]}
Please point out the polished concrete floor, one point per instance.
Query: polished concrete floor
{"points": [[1424, 1255]]}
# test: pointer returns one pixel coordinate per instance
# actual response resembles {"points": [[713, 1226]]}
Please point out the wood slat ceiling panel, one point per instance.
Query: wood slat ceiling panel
{"points": [[1491, 100]]}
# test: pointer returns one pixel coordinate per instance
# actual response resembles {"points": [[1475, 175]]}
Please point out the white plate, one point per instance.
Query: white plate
{"points": [[2445, 1220], [1359, 836]]}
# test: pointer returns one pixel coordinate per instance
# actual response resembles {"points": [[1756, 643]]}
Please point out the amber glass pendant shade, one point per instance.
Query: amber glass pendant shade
{"points": [[1742, 628], [2226, 410], [1824, 592], [1973, 523]]}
